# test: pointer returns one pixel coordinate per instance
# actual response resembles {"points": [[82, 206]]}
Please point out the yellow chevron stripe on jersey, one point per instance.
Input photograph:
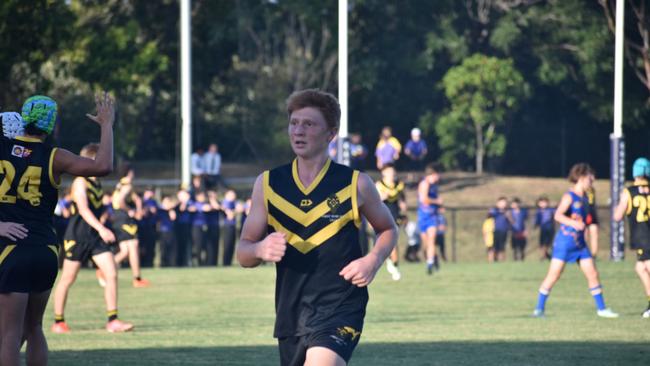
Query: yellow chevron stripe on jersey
{"points": [[50, 170], [355, 201], [306, 245], [296, 178], [97, 191], [298, 215], [131, 229], [6, 252], [67, 244], [95, 201]]}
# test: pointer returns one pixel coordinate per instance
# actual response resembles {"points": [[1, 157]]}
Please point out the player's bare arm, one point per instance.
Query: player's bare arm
{"points": [[67, 162], [621, 208], [362, 271], [78, 191], [255, 246]]}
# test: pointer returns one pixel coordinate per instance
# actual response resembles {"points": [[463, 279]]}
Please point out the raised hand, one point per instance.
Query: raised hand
{"points": [[105, 105], [272, 248], [13, 230]]}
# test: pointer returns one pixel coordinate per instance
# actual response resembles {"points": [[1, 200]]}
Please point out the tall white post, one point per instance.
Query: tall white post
{"points": [[343, 155], [186, 90], [617, 143], [618, 69]]}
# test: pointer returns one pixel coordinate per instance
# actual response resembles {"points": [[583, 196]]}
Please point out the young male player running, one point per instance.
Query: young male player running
{"points": [[305, 217], [87, 238], [635, 203], [428, 202], [125, 226], [570, 245], [28, 264], [391, 192]]}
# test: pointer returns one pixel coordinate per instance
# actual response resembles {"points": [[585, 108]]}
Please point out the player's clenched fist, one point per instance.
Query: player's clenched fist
{"points": [[362, 271], [272, 248]]}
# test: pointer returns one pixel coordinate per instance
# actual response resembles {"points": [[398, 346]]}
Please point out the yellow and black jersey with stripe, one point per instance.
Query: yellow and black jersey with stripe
{"points": [[28, 192], [78, 229], [94, 195], [321, 223], [394, 193], [123, 184], [638, 213]]}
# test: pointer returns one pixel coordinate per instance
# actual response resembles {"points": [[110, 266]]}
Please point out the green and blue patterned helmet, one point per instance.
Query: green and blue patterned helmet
{"points": [[641, 168], [40, 111]]}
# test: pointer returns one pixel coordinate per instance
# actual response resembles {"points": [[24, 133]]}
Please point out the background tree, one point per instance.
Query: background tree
{"points": [[483, 93]]}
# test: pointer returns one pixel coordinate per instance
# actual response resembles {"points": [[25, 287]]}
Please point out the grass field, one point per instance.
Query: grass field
{"points": [[467, 314]]}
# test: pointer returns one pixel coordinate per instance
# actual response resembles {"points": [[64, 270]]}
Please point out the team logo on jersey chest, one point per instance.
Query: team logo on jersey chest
{"points": [[333, 203], [20, 151]]}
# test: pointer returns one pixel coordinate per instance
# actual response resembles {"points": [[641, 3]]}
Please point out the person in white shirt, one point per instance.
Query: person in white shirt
{"points": [[197, 164], [212, 164]]}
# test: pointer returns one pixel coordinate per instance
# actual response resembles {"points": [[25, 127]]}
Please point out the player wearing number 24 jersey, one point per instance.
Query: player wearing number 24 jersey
{"points": [[635, 204], [30, 172]]}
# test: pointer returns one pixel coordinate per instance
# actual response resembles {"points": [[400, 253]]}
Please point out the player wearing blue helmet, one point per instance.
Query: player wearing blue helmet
{"points": [[570, 245], [635, 204], [31, 173]]}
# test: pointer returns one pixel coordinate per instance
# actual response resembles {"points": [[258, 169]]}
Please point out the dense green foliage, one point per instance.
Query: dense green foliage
{"points": [[466, 314], [248, 55]]}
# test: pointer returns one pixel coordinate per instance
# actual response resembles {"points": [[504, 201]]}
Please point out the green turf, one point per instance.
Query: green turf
{"points": [[467, 314]]}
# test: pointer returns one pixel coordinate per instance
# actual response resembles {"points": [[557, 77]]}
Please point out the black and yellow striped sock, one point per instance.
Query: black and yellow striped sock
{"points": [[58, 318], [112, 315]]}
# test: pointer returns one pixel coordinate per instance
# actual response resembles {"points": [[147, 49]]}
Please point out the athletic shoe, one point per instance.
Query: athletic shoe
{"points": [[60, 328], [538, 313], [100, 278], [429, 268], [607, 313], [118, 326], [393, 270], [141, 283], [646, 314]]}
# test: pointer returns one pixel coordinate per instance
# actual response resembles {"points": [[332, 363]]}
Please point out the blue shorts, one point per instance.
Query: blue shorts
{"points": [[426, 220], [566, 249]]}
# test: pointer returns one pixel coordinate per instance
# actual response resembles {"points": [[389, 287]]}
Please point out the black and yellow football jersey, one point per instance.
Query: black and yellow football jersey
{"points": [[638, 213], [28, 192], [78, 229], [321, 223], [394, 193]]}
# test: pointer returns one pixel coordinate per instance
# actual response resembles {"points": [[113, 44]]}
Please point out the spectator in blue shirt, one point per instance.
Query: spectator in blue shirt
{"points": [[229, 207], [501, 227], [213, 229], [358, 152], [544, 220], [518, 217], [183, 228], [416, 150], [166, 215], [147, 228]]}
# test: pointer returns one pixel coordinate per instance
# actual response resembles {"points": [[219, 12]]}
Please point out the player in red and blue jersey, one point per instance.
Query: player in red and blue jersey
{"points": [[570, 245], [544, 220]]}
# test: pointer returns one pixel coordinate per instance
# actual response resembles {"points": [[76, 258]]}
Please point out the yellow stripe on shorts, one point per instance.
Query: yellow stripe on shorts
{"points": [[54, 249], [6, 252]]}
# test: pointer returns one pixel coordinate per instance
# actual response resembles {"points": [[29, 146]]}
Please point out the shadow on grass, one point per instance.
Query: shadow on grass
{"points": [[434, 353]]}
